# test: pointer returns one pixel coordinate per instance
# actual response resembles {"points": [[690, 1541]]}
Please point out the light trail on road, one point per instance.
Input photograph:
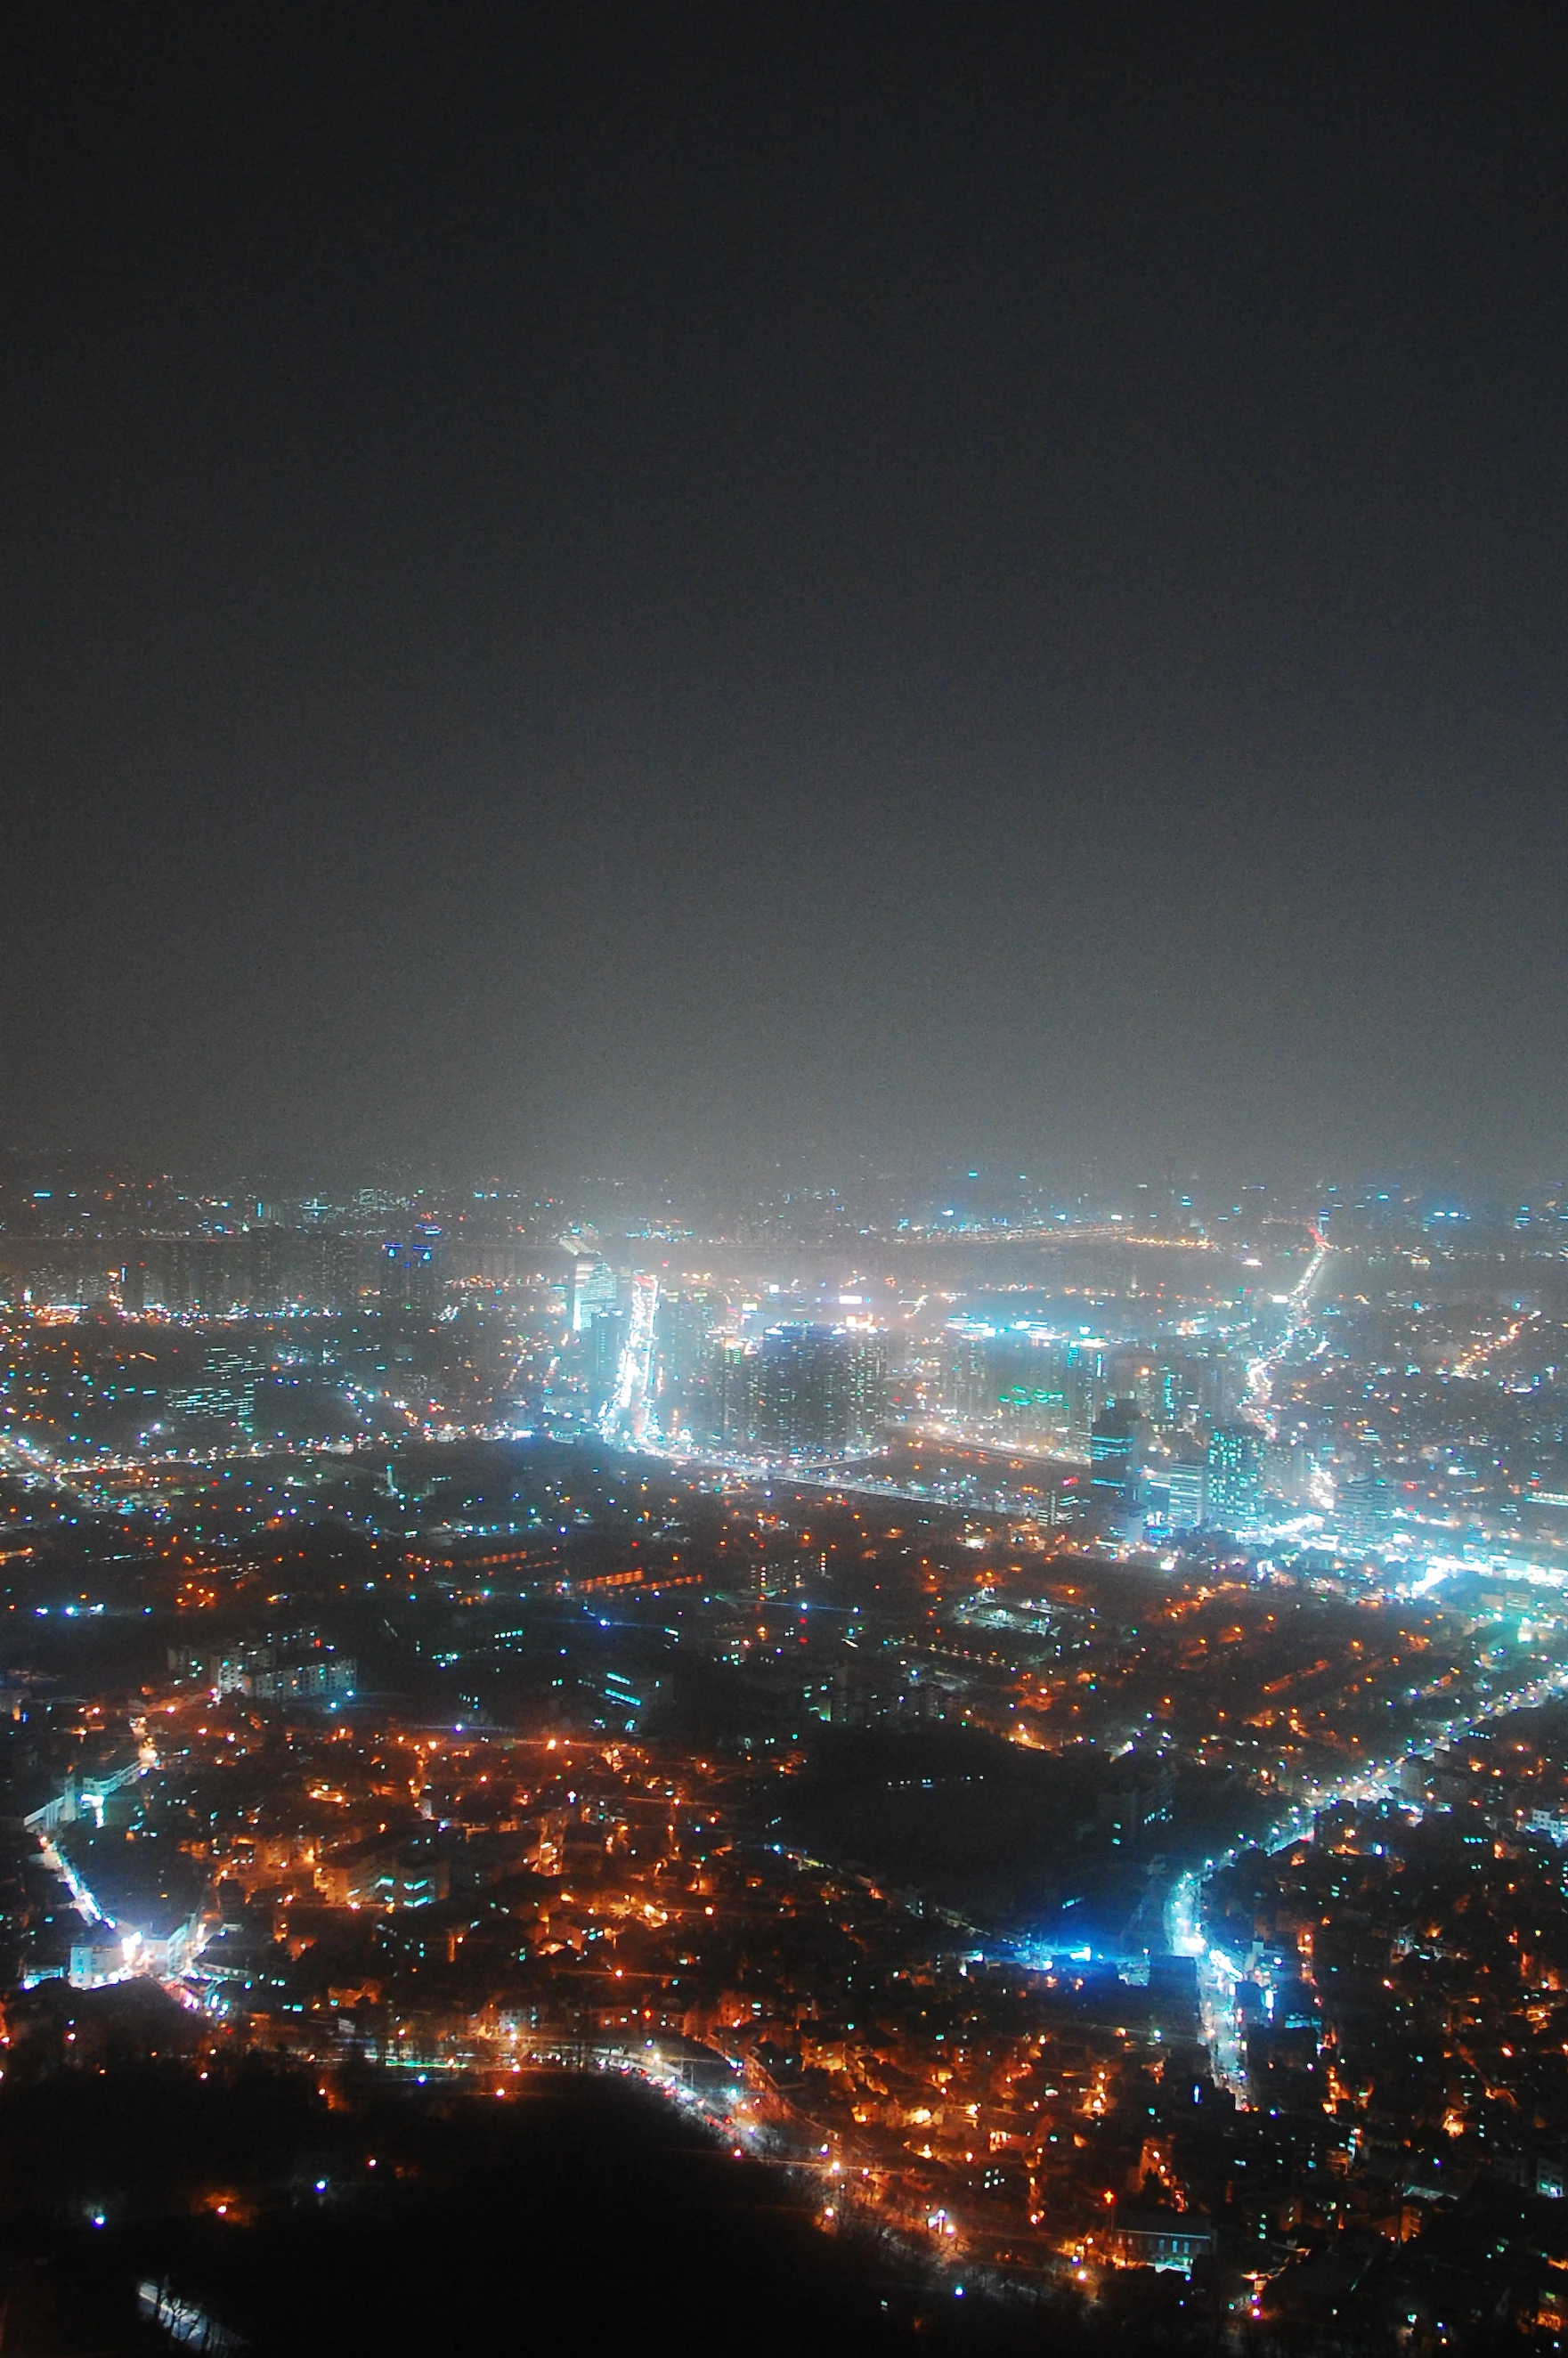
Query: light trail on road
{"points": [[1258, 1404], [1373, 1782]]}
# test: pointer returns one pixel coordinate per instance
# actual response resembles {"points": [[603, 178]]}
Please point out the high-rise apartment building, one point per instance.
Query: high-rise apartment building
{"points": [[680, 1346], [723, 1408], [819, 1391], [802, 1392], [970, 1391]]}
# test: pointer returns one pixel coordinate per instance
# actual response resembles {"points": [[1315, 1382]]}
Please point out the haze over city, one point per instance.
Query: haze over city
{"points": [[656, 588]]}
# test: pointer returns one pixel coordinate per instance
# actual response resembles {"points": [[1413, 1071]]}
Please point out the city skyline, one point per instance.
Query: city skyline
{"points": [[1034, 1732], [783, 1179]]}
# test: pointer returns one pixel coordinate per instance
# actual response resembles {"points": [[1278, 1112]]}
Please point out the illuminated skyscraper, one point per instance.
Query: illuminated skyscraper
{"points": [[411, 1280], [804, 1404], [685, 1321], [1112, 1445], [1188, 1487], [1235, 1477], [605, 1335], [723, 1402], [803, 1392], [969, 1383], [1363, 1511], [594, 1291]]}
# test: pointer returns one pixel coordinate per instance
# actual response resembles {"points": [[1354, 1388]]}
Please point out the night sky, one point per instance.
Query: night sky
{"points": [[660, 586]]}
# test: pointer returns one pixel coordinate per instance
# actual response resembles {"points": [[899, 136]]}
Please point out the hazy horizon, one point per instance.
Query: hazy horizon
{"points": [[702, 588]]}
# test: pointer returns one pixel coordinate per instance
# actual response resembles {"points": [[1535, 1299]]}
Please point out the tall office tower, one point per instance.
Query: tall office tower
{"points": [[1083, 1380], [1113, 1452], [1363, 1511], [1189, 1495], [819, 1391], [605, 1337], [411, 1280], [593, 1290], [1234, 1479], [968, 1391]]}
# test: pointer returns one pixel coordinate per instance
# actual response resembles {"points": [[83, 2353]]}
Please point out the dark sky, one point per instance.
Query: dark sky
{"points": [[647, 582]]}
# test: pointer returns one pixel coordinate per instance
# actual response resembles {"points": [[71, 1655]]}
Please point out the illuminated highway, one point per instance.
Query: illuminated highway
{"points": [[1474, 1360], [1375, 1781], [625, 1413], [1298, 1320]]}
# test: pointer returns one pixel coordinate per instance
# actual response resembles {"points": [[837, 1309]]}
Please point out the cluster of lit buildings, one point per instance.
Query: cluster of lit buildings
{"points": [[1053, 1734]]}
